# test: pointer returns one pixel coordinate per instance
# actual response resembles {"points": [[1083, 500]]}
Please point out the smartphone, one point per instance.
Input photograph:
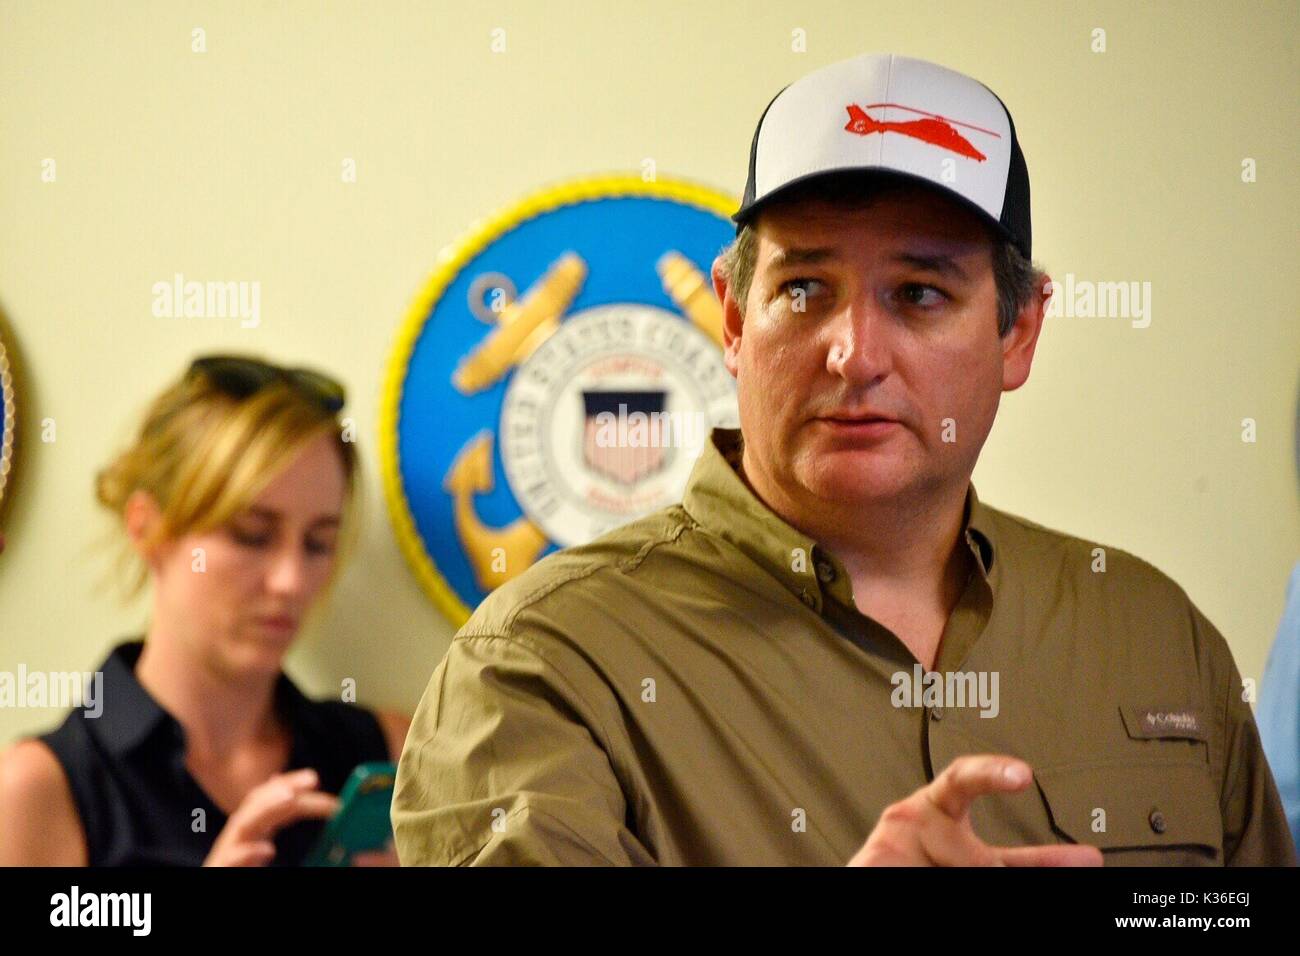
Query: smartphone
{"points": [[362, 822]]}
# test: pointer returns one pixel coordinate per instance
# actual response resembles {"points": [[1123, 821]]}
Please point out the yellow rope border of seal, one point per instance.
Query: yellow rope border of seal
{"points": [[8, 390], [451, 260]]}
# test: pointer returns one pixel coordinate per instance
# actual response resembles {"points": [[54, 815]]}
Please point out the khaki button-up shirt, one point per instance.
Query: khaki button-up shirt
{"points": [[698, 687]]}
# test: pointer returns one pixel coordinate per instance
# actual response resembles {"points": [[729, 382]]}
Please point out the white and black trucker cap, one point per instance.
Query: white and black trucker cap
{"points": [[894, 116]]}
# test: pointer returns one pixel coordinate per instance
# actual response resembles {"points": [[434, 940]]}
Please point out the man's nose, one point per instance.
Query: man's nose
{"points": [[859, 349]]}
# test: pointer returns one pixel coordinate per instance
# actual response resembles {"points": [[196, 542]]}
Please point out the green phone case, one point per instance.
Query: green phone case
{"points": [[362, 822]]}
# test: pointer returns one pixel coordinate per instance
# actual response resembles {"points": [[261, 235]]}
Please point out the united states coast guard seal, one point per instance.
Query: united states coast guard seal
{"points": [[556, 378]]}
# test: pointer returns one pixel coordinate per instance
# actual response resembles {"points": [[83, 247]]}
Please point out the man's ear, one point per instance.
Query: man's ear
{"points": [[1019, 344], [731, 318]]}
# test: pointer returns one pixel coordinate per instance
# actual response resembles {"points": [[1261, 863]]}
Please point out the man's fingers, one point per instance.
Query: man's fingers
{"points": [[948, 843], [966, 778], [1062, 854], [932, 826]]}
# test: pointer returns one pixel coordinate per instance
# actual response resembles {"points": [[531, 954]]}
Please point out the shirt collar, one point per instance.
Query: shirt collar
{"points": [[131, 716], [719, 500]]}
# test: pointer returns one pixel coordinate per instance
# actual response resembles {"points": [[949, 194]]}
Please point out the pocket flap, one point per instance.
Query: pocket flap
{"points": [[1133, 804]]}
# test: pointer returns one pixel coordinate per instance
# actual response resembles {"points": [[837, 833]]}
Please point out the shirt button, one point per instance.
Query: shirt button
{"points": [[1157, 821], [936, 713], [825, 572]]}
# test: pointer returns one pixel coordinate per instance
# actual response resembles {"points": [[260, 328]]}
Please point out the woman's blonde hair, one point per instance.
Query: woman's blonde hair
{"points": [[204, 455]]}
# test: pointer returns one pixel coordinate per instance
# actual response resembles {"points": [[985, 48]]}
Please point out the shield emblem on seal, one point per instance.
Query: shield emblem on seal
{"points": [[624, 436]]}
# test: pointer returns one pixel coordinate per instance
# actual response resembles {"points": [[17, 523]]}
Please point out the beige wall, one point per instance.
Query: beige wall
{"points": [[226, 165]]}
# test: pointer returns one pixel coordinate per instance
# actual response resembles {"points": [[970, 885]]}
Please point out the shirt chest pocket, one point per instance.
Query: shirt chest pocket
{"points": [[1137, 812]]}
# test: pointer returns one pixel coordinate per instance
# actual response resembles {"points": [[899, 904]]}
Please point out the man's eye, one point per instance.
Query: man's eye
{"points": [[916, 293], [800, 290]]}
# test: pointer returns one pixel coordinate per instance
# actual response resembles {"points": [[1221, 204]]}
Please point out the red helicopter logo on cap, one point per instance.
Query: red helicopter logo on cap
{"points": [[934, 129]]}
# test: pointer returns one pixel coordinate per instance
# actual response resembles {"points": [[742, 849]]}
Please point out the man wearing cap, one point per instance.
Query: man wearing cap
{"points": [[831, 651]]}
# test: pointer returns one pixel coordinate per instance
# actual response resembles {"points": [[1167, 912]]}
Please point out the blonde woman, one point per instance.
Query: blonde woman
{"points": [[234, 497]]}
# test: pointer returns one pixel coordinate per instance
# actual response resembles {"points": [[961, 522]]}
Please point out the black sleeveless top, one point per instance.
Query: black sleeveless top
{"points": [[138, 802]]}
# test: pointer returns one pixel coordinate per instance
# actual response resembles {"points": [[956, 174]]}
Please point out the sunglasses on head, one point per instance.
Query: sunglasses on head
{"points": [[241, 377]]}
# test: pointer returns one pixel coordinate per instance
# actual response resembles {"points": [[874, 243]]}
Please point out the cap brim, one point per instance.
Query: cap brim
{"points": [[746, 213]]}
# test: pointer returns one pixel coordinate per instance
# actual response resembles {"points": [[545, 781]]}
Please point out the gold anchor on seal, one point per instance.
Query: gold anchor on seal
{"points": [[498, 554], [523, 325], [495, 554]]}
